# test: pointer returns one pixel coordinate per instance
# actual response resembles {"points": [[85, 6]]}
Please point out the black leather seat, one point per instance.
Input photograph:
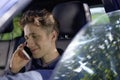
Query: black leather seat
{"points": [[71, 17]]}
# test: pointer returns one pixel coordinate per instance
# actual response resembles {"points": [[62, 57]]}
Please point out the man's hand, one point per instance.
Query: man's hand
{"points": [[18, 60]]}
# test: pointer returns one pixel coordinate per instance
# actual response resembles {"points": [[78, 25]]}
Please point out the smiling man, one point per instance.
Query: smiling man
{"points": [[41, 32]]}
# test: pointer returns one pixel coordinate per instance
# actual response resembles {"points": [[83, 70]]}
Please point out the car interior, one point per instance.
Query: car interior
{"points": [[71, 15], [69, 24]]}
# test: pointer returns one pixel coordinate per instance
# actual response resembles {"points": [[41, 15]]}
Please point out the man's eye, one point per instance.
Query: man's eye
{"points": [[34, 36]]}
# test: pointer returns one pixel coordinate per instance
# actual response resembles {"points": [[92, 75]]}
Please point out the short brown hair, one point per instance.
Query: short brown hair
{"points": [[42, 17]]}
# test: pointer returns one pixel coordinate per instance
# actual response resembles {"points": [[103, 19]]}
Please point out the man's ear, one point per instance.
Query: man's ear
{"points": [[54, 35]]}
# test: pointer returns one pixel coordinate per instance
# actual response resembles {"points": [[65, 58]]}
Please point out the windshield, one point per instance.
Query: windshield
{"points": [[94, 53]]}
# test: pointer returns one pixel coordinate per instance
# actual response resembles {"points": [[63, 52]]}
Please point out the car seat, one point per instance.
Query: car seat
{"points": [[6, 49], [8, 43], [8, 31], [72, 16]]}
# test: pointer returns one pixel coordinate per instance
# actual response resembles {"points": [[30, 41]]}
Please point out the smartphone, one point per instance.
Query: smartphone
{"points": [[27, 52]]}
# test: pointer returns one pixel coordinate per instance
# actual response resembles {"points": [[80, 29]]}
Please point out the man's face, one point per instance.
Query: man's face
{"points": [[37, 40]]}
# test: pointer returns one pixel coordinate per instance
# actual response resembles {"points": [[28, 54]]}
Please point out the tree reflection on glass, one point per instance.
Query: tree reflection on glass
{"points": [[94, 53]]}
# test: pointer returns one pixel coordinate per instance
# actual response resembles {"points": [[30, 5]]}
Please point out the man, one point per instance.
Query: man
{"points": [[41, 32]]}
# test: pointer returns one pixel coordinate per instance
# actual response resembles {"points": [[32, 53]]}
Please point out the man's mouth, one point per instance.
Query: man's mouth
{"points": [[33, 50]]}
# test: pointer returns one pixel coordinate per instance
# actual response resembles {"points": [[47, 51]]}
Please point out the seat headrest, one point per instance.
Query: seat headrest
{"points": [[71, 17]]}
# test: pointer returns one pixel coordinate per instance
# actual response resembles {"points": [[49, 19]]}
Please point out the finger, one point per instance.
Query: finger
{"points": [[21, 46], [22, 55]]}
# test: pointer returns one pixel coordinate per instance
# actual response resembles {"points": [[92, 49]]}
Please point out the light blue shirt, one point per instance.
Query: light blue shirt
{"points": [[30, 75]]}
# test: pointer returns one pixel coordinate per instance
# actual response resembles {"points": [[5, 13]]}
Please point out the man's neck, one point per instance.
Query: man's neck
{"points": [[50, 57]]}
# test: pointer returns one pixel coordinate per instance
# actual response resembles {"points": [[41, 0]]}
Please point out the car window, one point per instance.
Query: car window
{"points": [[94, 52]]}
